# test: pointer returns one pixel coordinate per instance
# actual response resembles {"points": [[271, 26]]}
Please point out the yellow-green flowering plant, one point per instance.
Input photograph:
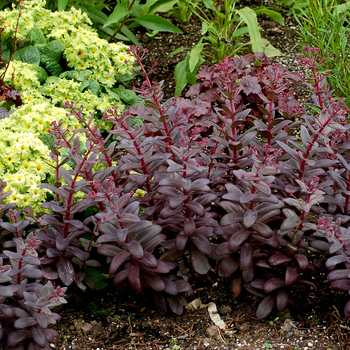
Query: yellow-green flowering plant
{"points": [[58, 58]]}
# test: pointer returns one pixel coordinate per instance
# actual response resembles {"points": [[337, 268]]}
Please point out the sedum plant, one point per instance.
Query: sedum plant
{"points": [[235, 173], [235, 177]]}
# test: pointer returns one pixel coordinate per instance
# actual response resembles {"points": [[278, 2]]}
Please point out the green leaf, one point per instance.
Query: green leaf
{"points": [[95, 15], [77, 75], [120, 11], [269, 50], [29, 54], [51, 79], [83, 85], [126, 95], [51, 55], [178, 50], [239, 32], [180, 77], [37, 37], [127, 32], [205, 27], [277, 17], [195, 55], [157, 23], [249, 18], [61, 5], [40, 73], [101, 281], [163, 6], [191, 76], [94, 87]]}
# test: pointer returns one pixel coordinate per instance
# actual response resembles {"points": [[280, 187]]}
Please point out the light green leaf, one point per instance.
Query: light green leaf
{"points": [[129, 34], [83, 85], [240, 32], [163, 6], [37, 37], [126, 95], [249, 18], [191, 76], [61, 5], [269, 50], [277, 17], [94, 87], [120, 11], [77, 75], [157, 23], [180, 77], [205, 27], [29, 54], [178, 50], [195, 54], [40, 73], [96, 15]]}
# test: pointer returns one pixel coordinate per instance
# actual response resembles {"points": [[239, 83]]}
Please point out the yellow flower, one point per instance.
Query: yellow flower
{"points": [[9, 160]]}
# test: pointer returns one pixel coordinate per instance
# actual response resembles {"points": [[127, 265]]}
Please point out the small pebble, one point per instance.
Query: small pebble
{"points": [[206, 344], [310, 345]]}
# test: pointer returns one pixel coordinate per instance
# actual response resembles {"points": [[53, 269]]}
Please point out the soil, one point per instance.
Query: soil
{"points": [[124, 320]]}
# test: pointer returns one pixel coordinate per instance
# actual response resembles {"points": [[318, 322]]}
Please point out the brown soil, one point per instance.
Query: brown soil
{"points": [[125, 320]]}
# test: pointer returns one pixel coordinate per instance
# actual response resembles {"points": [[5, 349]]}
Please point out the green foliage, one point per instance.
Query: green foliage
{"points": [[128, 14], [325, 24], [222, 30]]}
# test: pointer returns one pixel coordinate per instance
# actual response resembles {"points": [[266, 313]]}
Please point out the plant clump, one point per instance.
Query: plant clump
{"points": [[235, 177]]}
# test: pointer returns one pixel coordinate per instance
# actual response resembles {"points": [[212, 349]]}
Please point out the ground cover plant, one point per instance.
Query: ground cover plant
{"points": [[236, 176]]}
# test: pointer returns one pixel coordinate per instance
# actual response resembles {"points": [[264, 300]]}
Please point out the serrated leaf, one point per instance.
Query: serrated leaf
{"points": [[37, 37], [29, 54]]}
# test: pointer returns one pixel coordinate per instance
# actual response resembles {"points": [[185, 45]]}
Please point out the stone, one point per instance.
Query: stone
{"points": [[225, 310], [213, 332]]}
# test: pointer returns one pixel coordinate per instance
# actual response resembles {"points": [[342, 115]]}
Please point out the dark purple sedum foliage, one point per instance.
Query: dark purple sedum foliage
{"points": [[236, 177]]}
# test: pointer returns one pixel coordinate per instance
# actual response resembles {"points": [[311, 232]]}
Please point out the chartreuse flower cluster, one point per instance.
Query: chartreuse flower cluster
{"points": [[25, 159]]}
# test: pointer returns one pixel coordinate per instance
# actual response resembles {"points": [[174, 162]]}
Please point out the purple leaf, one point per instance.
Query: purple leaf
{"points": [[149, 260], [135, 249], [62, 243], [347, 310], [291, 276], [50, 334], [180, 241], [258, 283], [248, 274], [39, 337], [199, 261], [109, 250], [175, 305], [197, 208], [120, 277], [170, 286], [335, 260], [302, 261], [281, 299], [184, 287], [202, 244], [237, 239], [250, 85], [343, 284], [154, 281], [227, 267], [134, 278], [6, 291], [246, 257], [117, 261], [25, 322], [159, 303], [272, 284], [262, 229], [266, 306], [189, 227], [279, 258], [16, 337], [77, 253], [338, 274], [177, 201], [41, 319], [65, 271], [250, 217]]}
